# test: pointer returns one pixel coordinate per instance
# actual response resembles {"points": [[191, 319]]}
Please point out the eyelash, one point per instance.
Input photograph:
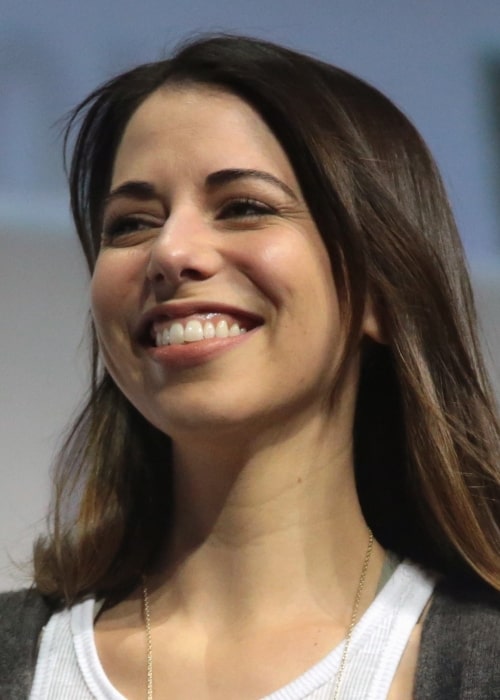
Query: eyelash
{"points": [[244, 208], [123, 225], [238, 209]]}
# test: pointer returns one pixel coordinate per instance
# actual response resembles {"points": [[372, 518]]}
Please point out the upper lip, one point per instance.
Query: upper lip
{"points": [[180, 309]]}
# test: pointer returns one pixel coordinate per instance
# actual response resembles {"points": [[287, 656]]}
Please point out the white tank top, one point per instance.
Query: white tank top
{"points": [[68, 667]]}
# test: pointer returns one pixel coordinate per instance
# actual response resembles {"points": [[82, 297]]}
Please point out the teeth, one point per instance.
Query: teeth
{"points": [[208, 330], [221, 329], [195, 330], [176, 336]]}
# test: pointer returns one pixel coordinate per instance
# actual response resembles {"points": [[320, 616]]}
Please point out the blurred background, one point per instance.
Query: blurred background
{"points": [[439, 60]]}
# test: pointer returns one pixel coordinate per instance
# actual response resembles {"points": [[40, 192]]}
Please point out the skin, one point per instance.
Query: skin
{"points": [[268, 539]]}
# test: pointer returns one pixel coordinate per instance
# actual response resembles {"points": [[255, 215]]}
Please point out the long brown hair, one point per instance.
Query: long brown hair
{"points": [[427, 441]]}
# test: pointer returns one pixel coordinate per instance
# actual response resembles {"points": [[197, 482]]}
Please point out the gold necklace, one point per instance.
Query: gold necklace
{"points": [[347, 643], [149, 641], [354, 616]]}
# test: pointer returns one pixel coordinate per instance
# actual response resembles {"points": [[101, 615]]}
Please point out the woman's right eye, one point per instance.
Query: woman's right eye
{"points": [[125, 225]]}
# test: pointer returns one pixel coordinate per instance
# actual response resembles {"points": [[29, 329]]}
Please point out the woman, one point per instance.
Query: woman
{"points": [[285, 481]]}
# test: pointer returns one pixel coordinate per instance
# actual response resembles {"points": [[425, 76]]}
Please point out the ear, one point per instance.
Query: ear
{"points": [[372, 326]]}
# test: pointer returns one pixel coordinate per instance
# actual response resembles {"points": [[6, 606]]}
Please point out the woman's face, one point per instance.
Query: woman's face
{"points": [[212, 296]]}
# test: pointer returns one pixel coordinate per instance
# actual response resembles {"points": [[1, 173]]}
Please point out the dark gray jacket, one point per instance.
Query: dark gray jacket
{"points": [[459, 652]]}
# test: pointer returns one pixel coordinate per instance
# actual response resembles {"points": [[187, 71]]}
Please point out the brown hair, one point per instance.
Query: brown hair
{"points": [[426, 435]]}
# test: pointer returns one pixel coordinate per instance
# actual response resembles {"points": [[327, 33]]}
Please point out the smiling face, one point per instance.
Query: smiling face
{"points": [[212, 295]]}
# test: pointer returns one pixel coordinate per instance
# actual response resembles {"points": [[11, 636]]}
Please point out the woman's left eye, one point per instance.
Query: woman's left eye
{"points": [[245, 209]]}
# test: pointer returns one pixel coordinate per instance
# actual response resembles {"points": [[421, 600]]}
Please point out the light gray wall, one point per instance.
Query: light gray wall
{"points": [[428, 55], [43, 308]]}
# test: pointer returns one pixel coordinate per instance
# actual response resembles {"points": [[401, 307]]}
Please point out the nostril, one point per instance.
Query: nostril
{"points": [[192, 274], [170, 266], [158, 277]]}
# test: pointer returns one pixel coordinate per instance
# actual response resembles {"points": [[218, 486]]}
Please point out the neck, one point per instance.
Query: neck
{"points": [[271, 527]]}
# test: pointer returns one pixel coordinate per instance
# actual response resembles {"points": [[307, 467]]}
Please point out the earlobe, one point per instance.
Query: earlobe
{"points": [[372, 326]]}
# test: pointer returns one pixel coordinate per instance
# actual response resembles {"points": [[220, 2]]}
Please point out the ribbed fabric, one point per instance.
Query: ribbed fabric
{"points": [[68, 667]]}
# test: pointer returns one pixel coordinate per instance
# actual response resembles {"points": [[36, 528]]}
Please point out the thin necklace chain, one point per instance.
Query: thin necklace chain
{"points": [[354, 616], [347, 643], [149, 642]]}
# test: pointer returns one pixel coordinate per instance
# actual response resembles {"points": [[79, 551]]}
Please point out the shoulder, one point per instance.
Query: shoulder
{"points": [[22, 613], [22, 616], [460, 644]]}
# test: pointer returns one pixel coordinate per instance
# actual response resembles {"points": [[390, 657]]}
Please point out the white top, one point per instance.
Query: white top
{"points": [[68, 667]]}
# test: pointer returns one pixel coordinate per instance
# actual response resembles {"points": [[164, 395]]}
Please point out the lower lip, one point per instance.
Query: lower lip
{"points": [[199, 352]]}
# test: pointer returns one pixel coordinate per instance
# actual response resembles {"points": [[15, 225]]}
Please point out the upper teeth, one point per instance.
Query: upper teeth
{"points": [[195, 330]]}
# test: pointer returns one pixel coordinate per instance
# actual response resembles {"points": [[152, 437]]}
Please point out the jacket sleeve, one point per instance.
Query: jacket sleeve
{"points": [[460, 646], [22, 617]]}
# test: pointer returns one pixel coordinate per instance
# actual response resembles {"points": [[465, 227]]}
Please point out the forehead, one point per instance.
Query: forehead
{"points": [[211, 128]]}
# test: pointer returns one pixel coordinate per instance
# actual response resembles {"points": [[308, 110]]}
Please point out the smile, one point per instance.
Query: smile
{"points": [[194, 330]]}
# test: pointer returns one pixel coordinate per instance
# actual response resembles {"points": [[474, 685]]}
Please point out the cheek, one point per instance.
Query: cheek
{"points": [[114, 282], [297, 271], [287, 267], [101, 293], [110, 307], [106, 311]]}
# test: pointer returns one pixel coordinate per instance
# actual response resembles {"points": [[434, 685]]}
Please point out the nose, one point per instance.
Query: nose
{"points": [[185, 250]]}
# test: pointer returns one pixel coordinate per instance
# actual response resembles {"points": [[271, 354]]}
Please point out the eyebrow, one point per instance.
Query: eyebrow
{"points": [[223, 177], [145, 191], [137, 189]]}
